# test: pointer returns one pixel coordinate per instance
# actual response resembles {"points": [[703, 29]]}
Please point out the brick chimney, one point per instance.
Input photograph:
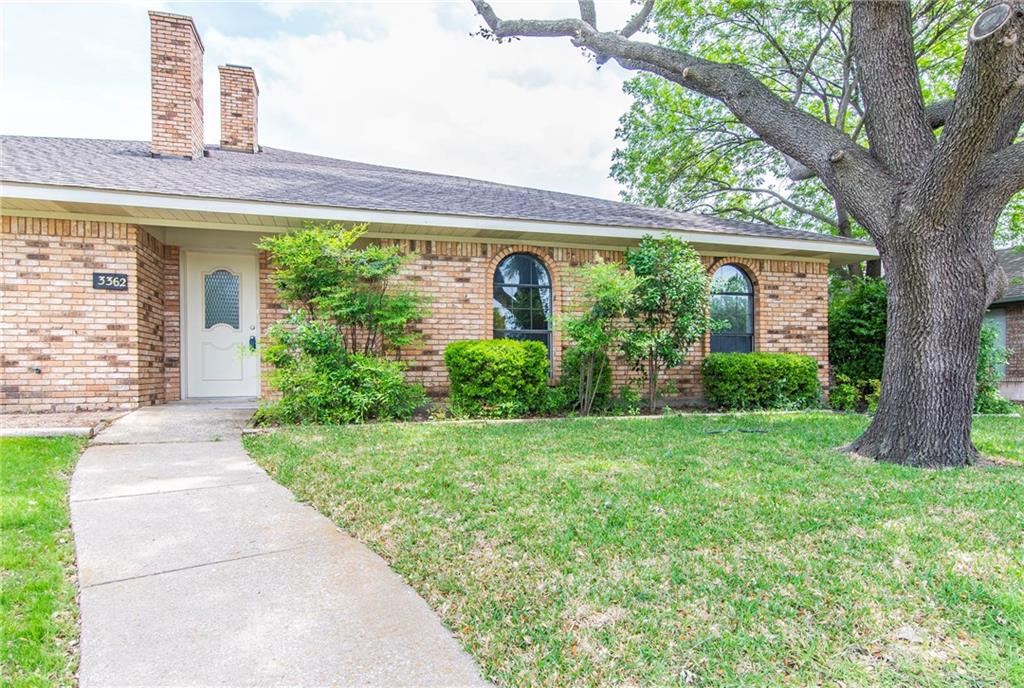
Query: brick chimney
{"points": [[239, 108], [176, 63]]}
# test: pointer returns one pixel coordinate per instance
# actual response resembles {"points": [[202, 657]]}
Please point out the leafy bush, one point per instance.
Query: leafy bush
{"points": [[345, 317], [605, 292], [497, 378], [991, 357], [320, 270], [570, 387], [856, 328], [874, 390], [844, 395], [760, 380], [321, 382], [850, 395]]}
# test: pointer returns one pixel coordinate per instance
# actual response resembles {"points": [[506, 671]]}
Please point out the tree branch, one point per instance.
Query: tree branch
{"points": [[810, 212], [883, 46], [938, 112], [846, 169], [988, 103], [638, 20]]}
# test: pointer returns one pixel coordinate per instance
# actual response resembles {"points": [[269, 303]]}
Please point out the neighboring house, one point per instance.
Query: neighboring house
{"points": [[1007, 316], [130, 274]]}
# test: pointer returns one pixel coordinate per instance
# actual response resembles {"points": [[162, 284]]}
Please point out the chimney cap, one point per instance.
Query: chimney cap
{"points": [[236, 66], [180, 17]]}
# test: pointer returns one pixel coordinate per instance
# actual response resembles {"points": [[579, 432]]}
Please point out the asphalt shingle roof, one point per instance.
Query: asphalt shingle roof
{"points": [[281, 176], [1012, 260]]}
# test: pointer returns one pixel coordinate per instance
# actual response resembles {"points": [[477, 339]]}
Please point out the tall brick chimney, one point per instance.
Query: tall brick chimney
{"points": [[176, 62], [239, 108]]}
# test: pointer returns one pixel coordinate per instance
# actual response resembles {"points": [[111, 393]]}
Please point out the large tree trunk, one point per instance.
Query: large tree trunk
{"points": [[929, 202], [937, 300]]}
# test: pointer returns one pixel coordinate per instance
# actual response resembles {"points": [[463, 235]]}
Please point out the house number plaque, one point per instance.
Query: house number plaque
{"points": [[113, 281]]}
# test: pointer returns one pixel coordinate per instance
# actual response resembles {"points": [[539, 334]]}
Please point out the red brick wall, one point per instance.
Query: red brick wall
{"points": [[172, 323], [104, 349], [791, 304], [149, 293], [93, 349]]}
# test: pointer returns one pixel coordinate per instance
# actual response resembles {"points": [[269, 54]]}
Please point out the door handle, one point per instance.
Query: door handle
{"points": [[252, 343]]}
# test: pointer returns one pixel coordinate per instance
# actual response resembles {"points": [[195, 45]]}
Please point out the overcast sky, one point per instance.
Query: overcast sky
{"points": [[393, 83]]}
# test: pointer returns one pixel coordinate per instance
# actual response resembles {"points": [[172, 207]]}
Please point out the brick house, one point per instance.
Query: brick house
{"points": [[130, 277], [1007, 316]]}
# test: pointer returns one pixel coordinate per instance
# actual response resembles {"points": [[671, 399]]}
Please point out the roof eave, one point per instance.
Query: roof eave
{"points": [[215, 208]]}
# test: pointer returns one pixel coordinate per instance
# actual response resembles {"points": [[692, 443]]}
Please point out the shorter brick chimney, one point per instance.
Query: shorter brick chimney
{"points": [[239, 109], [176, 64]]}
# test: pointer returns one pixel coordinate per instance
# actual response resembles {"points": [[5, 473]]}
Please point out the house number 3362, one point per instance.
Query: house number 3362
{"points": [[110, 280]]}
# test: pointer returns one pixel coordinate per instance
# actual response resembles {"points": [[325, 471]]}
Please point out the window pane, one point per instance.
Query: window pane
{"points": [[729, 279], [729, 343], [522, 299], [521, 268], [736, 311], [221, 299]]}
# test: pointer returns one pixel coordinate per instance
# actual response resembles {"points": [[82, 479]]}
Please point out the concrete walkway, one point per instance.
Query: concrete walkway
{"points": [[196, 569]]}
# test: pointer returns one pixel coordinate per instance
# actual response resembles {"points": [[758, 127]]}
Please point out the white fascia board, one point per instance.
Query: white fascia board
{"points": [[68, 194]]}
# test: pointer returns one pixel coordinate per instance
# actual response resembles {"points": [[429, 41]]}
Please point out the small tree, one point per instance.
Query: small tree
{"points": [[668, 310], [605, 290], [320, 271], [345, 316]]}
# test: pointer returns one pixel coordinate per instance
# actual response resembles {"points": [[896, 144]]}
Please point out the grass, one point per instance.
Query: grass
{"points": [[38, 608], [683, 550]]}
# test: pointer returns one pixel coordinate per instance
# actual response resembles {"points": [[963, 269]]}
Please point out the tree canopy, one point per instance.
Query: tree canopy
{"points": [[684, 151]]}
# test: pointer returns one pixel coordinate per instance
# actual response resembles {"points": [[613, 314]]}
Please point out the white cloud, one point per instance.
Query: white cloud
{"points": [[400, 84]]}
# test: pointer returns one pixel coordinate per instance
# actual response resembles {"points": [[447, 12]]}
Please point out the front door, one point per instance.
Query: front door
{"points": [[221, 325]]}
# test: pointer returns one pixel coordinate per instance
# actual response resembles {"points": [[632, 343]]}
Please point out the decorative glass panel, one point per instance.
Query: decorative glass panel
{"points": [[221, 299], [522, 299], [732, 310]]}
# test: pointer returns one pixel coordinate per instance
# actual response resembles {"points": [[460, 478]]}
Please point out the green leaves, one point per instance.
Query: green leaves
{"points": [[668, 310], [760, 381], [856, 328], [328, 356], [497, 378], [320, 270]]}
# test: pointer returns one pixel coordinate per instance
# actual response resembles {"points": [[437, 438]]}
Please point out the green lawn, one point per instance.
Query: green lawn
{"points": [[682, 550], [38, 610]]}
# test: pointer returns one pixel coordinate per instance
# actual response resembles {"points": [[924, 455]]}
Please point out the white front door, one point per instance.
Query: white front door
{"points": [[221, 325]]}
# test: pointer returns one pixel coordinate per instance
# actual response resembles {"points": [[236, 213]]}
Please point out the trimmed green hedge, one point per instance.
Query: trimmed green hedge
{"points": [[497, 378], [760, 381]]}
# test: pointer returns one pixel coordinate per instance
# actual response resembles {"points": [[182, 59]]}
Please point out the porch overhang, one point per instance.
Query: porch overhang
{"points": [[194, 212]]}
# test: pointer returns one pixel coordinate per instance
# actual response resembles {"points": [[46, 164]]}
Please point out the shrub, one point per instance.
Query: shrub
{"points": [[760, 380], [497, 378], [991, 357], [844, 395], [874, 390], [850, 395], [320, 382], [346, 315], [569, 384], [856, 328], [605, 291]]}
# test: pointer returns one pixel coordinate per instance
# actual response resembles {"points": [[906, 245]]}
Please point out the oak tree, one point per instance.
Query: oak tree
{"points": [[928, 183]]}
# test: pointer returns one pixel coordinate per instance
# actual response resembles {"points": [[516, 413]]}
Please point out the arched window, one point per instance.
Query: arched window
{"points": [[732, 303], [522, 299]]}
